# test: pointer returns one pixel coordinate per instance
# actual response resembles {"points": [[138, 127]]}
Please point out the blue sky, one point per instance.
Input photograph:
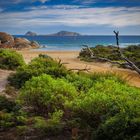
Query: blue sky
{"points": [[97, 17]]}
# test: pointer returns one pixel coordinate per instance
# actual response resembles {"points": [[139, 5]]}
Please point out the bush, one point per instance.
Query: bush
{"points": [[81, 82], [6, 120], [132, 52], [10, 59], [109, 52], [37, 67], [52, 126], [10, 114], [45, 94], [110, 110], [7, 105]]}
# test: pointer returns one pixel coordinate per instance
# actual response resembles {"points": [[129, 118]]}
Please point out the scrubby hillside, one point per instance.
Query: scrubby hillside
{"points": [[53, 102]]}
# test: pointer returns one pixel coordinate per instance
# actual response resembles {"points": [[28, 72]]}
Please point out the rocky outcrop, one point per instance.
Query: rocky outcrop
{"points": [[8, 41], [35, 44], [29, 33], [23, 43]]}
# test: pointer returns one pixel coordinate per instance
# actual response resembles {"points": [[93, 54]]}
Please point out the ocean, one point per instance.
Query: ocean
{"points": [[76, 42]]}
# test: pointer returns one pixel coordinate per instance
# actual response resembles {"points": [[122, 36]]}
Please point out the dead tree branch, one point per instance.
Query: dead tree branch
{"points": [[130, 63], [92, 56], [80, 70], [61, 63]]}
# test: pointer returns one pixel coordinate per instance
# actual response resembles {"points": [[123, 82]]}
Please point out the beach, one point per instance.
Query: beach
{"points": [[70, 58]]}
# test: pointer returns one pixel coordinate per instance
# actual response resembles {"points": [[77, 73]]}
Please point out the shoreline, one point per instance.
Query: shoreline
{"points": [[70, 57]]}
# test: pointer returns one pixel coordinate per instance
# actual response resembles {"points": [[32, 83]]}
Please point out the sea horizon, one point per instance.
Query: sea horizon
{"points": [[69, 43]]}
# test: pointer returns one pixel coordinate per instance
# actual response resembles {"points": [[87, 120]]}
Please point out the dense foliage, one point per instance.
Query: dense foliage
{"points": [[55, 103], [37, 67], [10, 59], [131, 52]]}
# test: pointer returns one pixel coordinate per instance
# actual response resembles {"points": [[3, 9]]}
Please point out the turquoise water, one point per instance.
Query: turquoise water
{"points": [[75, 43]]}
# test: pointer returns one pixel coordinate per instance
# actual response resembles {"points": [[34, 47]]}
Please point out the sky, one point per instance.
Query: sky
{"points": [[92, 17]]}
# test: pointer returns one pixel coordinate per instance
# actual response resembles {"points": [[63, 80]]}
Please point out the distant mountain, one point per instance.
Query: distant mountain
{"points": [[65, 33], [29, 33]]}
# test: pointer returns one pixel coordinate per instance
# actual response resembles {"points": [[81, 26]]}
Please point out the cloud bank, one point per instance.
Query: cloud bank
{"points": [[71, 15]]}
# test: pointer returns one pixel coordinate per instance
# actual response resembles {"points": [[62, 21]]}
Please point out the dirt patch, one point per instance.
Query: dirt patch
{"points": [[3, 78]]}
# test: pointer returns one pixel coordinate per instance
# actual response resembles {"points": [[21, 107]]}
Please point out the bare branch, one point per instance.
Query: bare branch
{"points": [[60, 62], [130, 63], [80, 70]]}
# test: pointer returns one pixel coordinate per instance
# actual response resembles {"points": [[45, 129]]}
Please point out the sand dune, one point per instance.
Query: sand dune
{"points": [[70, 57]]}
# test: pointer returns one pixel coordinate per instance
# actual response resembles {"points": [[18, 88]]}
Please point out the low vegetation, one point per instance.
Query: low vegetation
{"points": [[55, 103], [10, 59], [37, 67], [110, 52]]}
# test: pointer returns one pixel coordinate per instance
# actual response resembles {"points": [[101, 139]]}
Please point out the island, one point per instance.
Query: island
{"points": [[29, 33], [65, 33]]}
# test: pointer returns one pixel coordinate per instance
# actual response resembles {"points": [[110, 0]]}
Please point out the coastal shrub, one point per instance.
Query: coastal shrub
{"points": [[6, 120], [7, 105], [109, 52], [10, 114], [81, 82], [51, 126], [132, 52], [37, 67], [45, 94], [11, 119], [110, 110], [10, 59]]}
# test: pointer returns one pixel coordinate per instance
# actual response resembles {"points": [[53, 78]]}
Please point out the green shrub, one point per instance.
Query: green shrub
{"points": [[45, 94], [109, 52], [10, 59], [51, 126], [7, 105], [6, 120], [132, 52], [81, 82], [10, 114], [110, 110], [37, 67], [12, 119]]}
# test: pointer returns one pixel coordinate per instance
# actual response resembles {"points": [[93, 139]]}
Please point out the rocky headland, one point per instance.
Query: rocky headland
{"points": [[9, 41]]}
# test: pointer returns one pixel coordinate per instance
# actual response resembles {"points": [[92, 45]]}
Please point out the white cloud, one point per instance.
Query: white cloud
{"points": [[43, 1], [72, 16]]}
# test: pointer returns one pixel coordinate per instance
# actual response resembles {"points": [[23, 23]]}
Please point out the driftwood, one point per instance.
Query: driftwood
{"points": [[80, 70], [128, 64]]}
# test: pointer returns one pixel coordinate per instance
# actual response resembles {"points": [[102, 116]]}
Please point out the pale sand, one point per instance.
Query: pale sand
{"points": [[70, 57]]}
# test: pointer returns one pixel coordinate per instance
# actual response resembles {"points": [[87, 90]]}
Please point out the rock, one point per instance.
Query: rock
{"points": [[35, 44], [7, 41], [21, 40], [29, 33], [23, 43]]}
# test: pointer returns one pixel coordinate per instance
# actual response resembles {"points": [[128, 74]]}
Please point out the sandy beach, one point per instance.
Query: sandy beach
{"points": [[70, 57]]}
